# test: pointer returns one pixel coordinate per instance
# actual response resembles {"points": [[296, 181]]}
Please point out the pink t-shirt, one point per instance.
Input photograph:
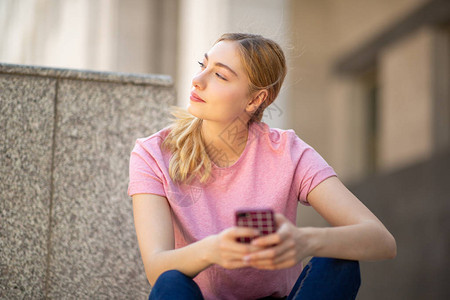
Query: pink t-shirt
{"points": [[276, 170]]}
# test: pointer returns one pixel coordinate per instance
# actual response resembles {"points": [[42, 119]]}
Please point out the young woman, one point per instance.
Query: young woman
{"points": [[188, 179]]}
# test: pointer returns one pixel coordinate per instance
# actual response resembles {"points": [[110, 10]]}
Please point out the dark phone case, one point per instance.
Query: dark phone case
{"points": [[261, 220]]}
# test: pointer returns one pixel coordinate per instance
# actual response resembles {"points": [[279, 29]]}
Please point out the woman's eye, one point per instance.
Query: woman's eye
{"points": [[220, 76], [202, 65]]}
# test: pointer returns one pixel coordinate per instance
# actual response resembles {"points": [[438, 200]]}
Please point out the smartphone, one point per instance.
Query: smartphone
{"points": [[260, 219]]}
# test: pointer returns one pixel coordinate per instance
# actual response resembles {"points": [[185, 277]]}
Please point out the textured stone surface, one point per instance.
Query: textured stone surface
{"points": [[122, 78], [66, 221], [26, 130], [94, 249]]}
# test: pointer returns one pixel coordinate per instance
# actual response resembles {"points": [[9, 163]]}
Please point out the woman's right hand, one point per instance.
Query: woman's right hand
{"points": [[227, 252]]}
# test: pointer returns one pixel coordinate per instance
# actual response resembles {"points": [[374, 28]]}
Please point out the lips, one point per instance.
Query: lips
{"points": [[195, 97]]}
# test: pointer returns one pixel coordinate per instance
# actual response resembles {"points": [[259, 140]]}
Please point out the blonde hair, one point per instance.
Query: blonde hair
{"points": [[265, 65]]}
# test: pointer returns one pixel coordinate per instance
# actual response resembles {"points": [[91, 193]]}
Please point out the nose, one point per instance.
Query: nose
{"points": [[198, 81]]}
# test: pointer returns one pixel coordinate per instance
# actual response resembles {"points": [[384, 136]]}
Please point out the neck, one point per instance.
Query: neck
{"points": [[224, 142]]}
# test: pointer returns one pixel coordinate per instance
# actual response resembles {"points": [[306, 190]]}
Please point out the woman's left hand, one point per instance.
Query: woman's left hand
{"points": [[283, 249]]}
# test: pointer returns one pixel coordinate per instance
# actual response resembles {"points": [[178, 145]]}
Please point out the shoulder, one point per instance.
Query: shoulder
{"points": [[276, 138], [152, 144]]}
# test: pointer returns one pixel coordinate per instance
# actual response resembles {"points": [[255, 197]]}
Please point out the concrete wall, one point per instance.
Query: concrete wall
{"points": [[414, 204], [325, 109], [67, 226], [406, 106]]}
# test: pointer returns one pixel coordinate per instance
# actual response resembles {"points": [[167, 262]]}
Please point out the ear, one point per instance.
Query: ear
{"points": [[258, 98]]}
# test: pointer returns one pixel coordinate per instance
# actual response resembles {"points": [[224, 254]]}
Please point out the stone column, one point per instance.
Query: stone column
{"points": [[406, 101]]}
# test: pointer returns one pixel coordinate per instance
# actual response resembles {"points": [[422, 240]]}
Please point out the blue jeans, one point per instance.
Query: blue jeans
{"points": [[321, 278]]}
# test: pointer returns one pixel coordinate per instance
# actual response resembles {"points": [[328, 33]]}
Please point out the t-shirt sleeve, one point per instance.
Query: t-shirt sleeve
{"points": [[145, 176], [311, 170]]}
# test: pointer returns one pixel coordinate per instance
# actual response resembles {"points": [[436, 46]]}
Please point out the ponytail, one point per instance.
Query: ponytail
{"points": [[189, 158]]}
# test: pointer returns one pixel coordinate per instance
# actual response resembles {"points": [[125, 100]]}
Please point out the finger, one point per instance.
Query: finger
{"points": [[253, 248], [286, 258], [237, 232], [234, 249], [230, 244], [237, 250], [282, 234], [288, 255], [267, 240], [273, 252]]}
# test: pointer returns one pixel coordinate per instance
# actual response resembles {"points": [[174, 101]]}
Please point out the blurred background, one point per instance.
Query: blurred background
{"points": [[367, 87]]}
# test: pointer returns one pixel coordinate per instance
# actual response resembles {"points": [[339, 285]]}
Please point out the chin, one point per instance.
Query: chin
{"points": [[193, 112]]}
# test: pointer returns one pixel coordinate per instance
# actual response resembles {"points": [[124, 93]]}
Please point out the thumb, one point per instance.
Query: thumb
{"points": [[280, 219]]}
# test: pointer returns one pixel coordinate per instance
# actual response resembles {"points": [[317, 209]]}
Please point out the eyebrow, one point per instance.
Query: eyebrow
{"points": [[223, 66]]}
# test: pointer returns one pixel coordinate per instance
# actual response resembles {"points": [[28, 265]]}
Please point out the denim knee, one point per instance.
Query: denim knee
{"points": [[173, 284], [340, 268], [171, 276], [347, 269], [328, 278]]}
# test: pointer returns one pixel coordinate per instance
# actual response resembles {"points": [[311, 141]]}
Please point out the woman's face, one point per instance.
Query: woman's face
{"points": [[222, 84]]}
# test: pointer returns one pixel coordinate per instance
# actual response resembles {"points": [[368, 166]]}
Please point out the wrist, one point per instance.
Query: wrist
{"points": [[207, 255], [315, 238]]}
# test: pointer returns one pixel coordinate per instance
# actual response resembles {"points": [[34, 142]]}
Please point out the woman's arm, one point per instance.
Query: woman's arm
{"points": [[357, 234], [154, 230]]}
